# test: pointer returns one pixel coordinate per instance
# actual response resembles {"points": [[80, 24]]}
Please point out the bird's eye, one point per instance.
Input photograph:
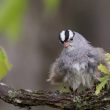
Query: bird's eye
{"points": [[71, 39]]}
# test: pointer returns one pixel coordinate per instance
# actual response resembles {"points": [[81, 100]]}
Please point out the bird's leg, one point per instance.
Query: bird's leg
{"points": [[73, 92], [71, 89]]}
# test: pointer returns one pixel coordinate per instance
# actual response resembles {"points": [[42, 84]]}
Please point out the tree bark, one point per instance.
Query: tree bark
{"points": [[60, 100]]}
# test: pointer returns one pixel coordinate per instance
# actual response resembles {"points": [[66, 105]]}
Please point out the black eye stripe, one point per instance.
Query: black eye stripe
{"points": [[66, 35]]}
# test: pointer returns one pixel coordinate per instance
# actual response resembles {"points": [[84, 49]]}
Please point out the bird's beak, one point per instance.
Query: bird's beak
{"points": [[66, 44]]}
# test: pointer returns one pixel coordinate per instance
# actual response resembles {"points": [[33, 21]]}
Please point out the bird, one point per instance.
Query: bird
{"points": [[77, 65]]}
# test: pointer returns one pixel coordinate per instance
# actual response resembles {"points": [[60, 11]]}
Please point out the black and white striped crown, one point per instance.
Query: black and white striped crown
{"points": [[66, 35]]}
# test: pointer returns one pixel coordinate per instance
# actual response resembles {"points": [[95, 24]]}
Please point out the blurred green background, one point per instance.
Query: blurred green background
{"points": [[11, 14], [29, 32]]}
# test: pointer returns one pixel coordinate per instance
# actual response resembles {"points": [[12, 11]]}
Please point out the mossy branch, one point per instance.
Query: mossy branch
{"points": [[64, 101]]}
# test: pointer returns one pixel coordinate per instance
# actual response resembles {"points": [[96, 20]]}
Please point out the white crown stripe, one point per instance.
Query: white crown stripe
{"points": [[70, 34], [62, 34]]}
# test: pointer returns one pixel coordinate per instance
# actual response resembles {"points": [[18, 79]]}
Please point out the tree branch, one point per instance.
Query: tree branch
{"points": [[64, 101]]}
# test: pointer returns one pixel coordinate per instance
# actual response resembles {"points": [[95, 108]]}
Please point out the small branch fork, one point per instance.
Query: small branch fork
{"points": [[63, 101]]}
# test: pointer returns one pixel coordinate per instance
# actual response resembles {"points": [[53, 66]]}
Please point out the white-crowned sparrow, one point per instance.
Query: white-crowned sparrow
{"points": [[77, 64]]}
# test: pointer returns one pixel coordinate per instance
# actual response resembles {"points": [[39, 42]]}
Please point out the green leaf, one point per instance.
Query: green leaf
{"points": [[104, 80], [5, 66], [103, 69]]}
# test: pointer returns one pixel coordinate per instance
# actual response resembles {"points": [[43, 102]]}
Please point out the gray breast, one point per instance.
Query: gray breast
{"points": [[73, 60], [79, 67]]}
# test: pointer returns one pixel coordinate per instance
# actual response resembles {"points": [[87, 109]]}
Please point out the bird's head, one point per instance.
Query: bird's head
{"points": [[66, 38], [72, 39]]}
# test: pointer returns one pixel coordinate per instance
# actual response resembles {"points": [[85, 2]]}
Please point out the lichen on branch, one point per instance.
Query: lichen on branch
{"points": [[64, 101]]}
